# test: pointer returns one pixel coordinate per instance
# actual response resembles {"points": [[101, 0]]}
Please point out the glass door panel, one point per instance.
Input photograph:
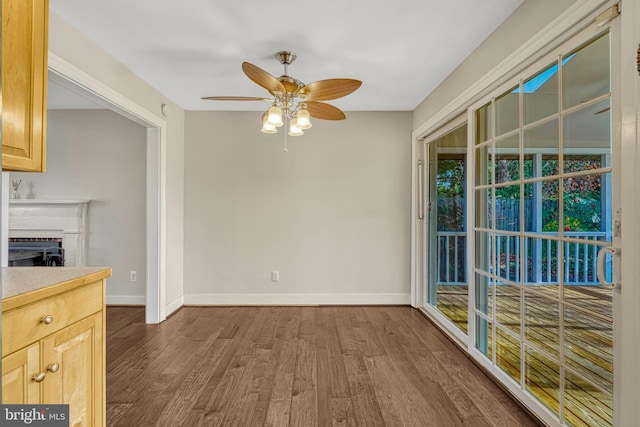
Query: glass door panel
{"points": [[543, 202], [448, 289], [542, 322], [586, 404], [508, 353], [587, 129], [541, 95], [586, 72], [507, 159], [507, 109], [483, 123], [542, 378], [541, 146], [507, 303]]}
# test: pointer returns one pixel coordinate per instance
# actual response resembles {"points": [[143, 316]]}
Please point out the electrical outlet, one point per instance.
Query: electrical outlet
{"points": [[275, 276], [133, 276]]}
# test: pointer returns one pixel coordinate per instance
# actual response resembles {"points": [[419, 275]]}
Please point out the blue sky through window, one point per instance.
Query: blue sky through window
{"points": [[535, 83]]}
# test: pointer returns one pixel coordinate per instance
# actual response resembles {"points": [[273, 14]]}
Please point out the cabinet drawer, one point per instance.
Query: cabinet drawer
{"points": [[28, 324]]}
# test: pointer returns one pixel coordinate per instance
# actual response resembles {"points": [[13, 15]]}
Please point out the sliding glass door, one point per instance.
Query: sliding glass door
{"points": [[543, 227]]}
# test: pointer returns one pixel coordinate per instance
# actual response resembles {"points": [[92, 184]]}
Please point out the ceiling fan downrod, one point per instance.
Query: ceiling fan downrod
{"points": [[285, 57]]}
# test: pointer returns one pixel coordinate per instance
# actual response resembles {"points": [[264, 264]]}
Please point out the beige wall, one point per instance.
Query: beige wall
{"points": [[72, 46], [524, 22], [354, 241], [331, 214], [85, 161]]}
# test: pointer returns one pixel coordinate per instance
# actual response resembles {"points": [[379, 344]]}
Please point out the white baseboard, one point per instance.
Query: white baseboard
{"points": [[126, 300], [268, 299], [297, 299], [174, 305]]}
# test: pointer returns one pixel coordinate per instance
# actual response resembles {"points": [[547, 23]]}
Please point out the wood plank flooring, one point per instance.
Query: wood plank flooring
{"points": [[295, 366]]}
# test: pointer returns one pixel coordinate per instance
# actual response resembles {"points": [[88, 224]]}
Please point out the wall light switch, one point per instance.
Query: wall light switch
{"points": [[275, 276]]}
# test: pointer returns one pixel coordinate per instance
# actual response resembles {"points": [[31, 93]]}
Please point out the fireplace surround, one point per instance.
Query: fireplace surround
{"points": [[47, 220]]}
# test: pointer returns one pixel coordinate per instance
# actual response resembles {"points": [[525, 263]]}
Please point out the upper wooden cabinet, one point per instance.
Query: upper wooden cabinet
{"points": [[24, 84]]}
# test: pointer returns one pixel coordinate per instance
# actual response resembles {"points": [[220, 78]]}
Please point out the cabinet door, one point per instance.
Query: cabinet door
{"points": [[24, 84], [78, 356], [18, 369]]}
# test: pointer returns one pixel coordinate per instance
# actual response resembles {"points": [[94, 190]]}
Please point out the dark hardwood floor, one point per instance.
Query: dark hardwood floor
{"points": [[297, 366]]}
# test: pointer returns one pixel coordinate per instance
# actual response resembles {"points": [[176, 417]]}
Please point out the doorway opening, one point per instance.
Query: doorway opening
{"points": [[75, 80]]}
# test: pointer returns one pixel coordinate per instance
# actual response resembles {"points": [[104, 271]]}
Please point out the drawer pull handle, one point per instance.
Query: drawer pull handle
{"points": [[39, 377], [53, 367], [47, 320]]}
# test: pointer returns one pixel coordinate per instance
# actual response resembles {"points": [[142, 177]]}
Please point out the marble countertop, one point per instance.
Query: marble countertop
{"points": [[37, 282]]}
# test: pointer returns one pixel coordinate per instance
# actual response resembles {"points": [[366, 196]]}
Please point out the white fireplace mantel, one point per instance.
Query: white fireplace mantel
{"points": [[51, 217], [47, 202]]}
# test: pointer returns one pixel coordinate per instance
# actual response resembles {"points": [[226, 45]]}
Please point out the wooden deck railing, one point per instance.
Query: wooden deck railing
{"points": [[452, 257], [541, 257]]}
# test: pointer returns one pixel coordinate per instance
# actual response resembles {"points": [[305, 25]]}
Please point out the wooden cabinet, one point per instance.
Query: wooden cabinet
{"points": [[17, 369], [53, 352], [74, 370], [24, 84]]}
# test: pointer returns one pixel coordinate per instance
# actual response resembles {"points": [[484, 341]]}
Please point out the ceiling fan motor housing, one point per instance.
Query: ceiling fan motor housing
{"points": [[285, 57], [290, 84]]}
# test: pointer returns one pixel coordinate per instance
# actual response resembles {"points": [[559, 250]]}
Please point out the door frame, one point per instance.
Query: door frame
{"points": [[627, 337], [72, 77]]}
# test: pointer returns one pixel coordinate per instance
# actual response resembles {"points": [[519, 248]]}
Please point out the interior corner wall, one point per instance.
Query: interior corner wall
{"points": [[69, 44], [527, 20], [331, 215], [100, 156]]}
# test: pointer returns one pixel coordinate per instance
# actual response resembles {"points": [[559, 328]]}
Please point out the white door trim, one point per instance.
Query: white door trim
{"points": [[627, 334], [70, 76]]}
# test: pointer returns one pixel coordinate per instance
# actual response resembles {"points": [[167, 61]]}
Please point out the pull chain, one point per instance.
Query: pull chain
{"points": [[286, 120]]}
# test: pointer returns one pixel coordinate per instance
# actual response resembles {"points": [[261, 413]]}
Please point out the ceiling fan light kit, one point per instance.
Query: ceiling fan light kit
{"points": [[304, 119], [266, 126], [293, 102], [274, 116], [294, 130]]}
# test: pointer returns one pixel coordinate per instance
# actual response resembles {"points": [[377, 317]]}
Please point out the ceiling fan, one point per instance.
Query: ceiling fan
{"points": [[294, 102]]}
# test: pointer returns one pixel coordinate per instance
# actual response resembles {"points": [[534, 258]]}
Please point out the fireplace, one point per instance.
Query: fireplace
{"points": [[48, 232], [36, 251]]}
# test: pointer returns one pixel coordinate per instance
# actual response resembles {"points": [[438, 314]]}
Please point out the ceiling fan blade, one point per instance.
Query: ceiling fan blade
{"points": [[234, 98], [262, 78], [324, 90], [324, 111]]}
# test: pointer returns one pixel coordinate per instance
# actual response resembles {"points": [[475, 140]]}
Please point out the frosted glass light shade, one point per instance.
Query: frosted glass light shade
{"points": [[304, 120], [266, 127], [294, 130], [274, 116]]}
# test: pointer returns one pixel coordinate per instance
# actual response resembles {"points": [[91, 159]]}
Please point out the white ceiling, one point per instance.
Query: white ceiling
{"points": [[187, 49]]}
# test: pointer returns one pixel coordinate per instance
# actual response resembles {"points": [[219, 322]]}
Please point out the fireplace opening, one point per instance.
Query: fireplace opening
{"points": [[36, 251]]}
